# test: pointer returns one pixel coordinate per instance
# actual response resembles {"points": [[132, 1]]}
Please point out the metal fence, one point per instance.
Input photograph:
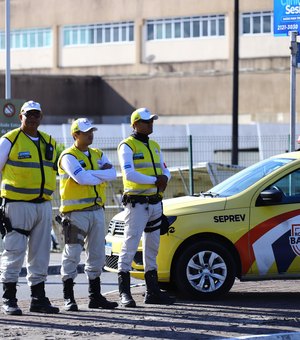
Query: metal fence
{"points": [[178, 150]]}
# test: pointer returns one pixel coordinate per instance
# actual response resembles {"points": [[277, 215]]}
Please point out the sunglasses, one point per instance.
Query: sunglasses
{"points": [[35, 114], [150, 121]]}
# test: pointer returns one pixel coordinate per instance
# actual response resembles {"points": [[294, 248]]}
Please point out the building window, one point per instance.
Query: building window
{"points": [[108, 34], [99, 39], [116, 34], [28, 38], [257, 23], [186, 27], [168, 28], [98, 34]]}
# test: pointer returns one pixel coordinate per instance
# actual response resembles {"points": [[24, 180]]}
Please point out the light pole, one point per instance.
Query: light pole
{"points": [[7, 50], [235, 89]]}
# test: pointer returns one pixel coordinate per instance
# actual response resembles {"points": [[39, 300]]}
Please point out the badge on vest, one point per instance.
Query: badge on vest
{"points": [[138, 155], [24, 155]]}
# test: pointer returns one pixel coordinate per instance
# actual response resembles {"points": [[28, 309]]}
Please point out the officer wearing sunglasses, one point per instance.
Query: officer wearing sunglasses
{"points": [[145, 178]]}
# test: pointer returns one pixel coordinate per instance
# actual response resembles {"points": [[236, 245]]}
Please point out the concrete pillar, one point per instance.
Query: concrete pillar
{"points": [[139, 41], [56, 48]]}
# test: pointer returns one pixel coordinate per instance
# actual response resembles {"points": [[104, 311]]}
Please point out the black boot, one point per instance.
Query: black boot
{"points": [[70, 303], [96, 299], [10, 306], [124, 289], [153, 293], [39, 302]]}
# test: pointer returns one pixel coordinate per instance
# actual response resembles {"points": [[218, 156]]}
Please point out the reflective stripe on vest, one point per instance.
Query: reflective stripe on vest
{"points": [[30, 164], [24, 191], [148, 192], [146, 165], [82, 201]]}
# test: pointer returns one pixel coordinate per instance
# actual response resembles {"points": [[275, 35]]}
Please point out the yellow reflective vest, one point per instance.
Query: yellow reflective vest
{"points": [[146, 161], [27, 174], [73, 195]]}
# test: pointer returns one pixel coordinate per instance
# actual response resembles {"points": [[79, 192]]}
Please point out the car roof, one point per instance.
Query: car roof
{"points": [[294, 154]]}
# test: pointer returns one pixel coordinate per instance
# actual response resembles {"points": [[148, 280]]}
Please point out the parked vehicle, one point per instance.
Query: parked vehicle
{"points": [[246, 227]]}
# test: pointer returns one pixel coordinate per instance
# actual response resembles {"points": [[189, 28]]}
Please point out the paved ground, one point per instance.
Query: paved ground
{"points": [[276, 310], [251, 309]]}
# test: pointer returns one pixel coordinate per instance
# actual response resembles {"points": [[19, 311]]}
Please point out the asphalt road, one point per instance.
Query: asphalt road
{"points": [[253, 309]]}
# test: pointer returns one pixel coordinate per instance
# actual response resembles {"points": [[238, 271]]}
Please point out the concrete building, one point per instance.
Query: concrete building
{"points": [[173, 56]]}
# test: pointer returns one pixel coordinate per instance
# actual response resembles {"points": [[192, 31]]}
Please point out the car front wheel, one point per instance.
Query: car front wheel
{"points": [[204, 270]]}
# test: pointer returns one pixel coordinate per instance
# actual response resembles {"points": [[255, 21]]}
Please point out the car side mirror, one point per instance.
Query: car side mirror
{"points": [[269, 197]]}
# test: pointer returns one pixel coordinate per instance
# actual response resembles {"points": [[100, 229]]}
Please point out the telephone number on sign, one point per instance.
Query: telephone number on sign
{"points": [[287, 27]]}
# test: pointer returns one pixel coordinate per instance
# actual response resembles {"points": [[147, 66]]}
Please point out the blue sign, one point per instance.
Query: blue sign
{"points": [[286, 17]]}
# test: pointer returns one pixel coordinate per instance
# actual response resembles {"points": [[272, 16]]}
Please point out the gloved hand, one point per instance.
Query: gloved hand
{"points": [[161, 182]]}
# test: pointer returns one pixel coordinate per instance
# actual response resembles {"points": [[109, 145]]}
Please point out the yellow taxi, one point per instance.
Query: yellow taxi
{"points": [[246, 227]]}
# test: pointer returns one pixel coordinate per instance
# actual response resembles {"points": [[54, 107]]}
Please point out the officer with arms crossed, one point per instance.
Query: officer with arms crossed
{"points": [[83, 174], [27, 163], [145, 177]]}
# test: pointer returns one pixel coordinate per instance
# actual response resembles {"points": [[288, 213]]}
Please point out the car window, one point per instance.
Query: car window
{"points": [[289, 186], [247, 177]]}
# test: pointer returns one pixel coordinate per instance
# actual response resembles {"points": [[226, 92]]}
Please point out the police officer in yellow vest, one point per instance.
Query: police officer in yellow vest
{"points": [[27, 163], [83, 173], [145, 177]]}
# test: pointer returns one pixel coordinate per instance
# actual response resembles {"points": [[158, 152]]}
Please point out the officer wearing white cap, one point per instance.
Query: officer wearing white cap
{"points": [[27, 163], [84, 172], [145, 178]]}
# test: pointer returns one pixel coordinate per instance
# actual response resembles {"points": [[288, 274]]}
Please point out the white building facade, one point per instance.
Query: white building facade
{"points": [[174, 56]]}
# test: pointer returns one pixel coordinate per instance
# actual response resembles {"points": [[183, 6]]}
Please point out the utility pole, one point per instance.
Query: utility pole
{"points": [[7, 50], [235, 89]]}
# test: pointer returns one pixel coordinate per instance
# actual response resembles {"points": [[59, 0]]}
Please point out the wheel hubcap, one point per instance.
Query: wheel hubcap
{"points": [[206, 271]]}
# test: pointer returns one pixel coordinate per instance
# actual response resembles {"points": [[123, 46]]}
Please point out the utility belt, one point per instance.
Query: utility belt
{"points": [[5, 224], [133, 199], [92, 208], [36, 200]]}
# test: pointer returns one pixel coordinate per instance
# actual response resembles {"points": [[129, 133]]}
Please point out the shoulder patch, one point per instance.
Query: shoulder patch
{"points": [[76, 172]]}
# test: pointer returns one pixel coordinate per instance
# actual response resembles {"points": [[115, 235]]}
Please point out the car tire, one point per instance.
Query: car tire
{"points": [[204, 270]]}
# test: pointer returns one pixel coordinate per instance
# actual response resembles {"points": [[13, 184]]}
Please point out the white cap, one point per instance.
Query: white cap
{"points": [[143, 114], [30, 105], [83, 125]]}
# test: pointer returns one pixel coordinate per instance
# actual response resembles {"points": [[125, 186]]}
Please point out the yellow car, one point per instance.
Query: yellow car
{"points": [[247, 227]]}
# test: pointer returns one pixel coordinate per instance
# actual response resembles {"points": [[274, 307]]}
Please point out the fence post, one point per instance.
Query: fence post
{"points": [[191, 171]]}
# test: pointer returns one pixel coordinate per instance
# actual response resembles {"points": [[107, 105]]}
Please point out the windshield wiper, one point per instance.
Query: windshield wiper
{"points": [[208, 194]]}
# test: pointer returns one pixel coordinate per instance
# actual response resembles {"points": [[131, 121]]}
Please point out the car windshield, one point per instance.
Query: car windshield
{"points": [[245, 178]]}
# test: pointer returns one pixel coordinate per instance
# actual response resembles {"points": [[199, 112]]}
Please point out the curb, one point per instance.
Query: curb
{"points": [[278, 336], [53, 270]]}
